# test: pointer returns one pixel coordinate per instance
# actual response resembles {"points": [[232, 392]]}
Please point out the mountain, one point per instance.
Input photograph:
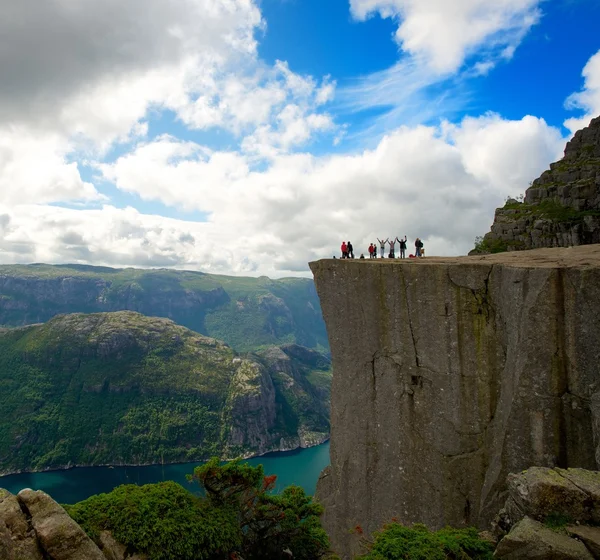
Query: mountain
{"points": [[560, 209], [246, 313], [123, 388]]}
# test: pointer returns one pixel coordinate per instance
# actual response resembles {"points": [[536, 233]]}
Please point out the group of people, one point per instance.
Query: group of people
{"points": [[348, 250]]}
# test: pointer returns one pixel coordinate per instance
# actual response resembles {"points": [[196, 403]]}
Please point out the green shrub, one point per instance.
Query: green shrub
{"points": [[239, 516], [269, 522], [397, 542], [162, 520]]}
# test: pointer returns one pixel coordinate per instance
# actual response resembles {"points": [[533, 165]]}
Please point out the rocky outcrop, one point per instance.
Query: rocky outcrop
{"points": [[530, 540], [538, 492], [34, 527], [562, 206], [451, 373], [540, 499]]}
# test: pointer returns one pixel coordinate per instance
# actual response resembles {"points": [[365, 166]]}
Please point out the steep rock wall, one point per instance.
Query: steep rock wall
{"points": [[451, 373], [561, 207]]}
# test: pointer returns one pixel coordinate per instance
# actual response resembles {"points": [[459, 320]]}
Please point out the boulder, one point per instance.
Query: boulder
{"points": [[7, 551], [590, 536], [538, 492], [530, 540], [589, 483], [60, 537], [114, 550], [17, 538]]}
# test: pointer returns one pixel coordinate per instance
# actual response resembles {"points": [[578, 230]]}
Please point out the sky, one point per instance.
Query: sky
{"points": [[249, 137]]}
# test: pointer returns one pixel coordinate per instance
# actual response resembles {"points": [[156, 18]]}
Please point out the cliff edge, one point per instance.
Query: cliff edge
{"points": [[450, 373]]}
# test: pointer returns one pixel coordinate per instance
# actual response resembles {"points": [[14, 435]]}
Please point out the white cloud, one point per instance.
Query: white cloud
{"points": [[492, 149], [108, 61], [109, 67], [35, 168], [589, 98], [441, 184], [444, 33]]}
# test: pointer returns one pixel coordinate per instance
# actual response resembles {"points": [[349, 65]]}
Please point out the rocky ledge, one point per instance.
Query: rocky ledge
{"points": [[451, 373]]}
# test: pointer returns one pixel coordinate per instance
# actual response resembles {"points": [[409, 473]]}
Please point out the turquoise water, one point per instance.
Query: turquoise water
{"points": [[301, 467]]}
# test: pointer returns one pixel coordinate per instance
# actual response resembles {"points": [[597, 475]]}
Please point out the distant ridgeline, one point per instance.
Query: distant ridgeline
{"points": [[560, 209], [123, 388], [246, 313]]}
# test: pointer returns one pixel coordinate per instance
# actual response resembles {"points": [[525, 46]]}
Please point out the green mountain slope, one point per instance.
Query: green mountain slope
{"points": [[247, 313], [123, 388]]}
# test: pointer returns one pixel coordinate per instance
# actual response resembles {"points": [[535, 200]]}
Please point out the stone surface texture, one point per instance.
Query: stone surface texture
{"points": [[561, 208], [590, 536], [451, 373], [539, 491], [530, 540], [59, 536], [34, 527]]}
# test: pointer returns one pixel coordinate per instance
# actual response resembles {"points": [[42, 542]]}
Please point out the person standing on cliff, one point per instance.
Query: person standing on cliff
{"points": [[418, 247], [382, 245], [402, 243], [374, 250], [371, 248], [392, 248], [350, 250], [344, 250]]}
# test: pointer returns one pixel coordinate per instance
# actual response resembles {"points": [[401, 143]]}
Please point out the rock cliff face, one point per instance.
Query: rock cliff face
{"points": [[562, 206], [451, 373]]}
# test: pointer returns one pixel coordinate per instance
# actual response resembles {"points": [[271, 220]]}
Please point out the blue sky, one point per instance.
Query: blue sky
{"points": [[250, 137]]}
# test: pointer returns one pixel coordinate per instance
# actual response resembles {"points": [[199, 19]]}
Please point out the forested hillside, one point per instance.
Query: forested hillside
{"points": [[123, 388], [247, 313]]}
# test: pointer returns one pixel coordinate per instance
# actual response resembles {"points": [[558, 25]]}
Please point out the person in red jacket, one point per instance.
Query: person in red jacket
{"points": [[371, 249], [344, 250]]}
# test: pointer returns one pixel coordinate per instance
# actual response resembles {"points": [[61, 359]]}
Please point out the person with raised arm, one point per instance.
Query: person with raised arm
{"points": [[402, 245], [392, 243], [382, 244]]}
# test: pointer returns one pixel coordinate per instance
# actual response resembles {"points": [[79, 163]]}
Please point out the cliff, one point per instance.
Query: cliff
{"points": [[560, 209], [246, 313], [122, 388], [450, 373]]}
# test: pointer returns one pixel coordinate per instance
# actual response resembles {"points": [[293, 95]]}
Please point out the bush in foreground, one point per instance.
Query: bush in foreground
{"points": [[239, 516], [397, 542]]}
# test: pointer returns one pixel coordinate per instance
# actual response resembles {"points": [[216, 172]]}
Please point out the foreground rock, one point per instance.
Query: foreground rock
{"points": [[572, 494], [34, 527], [562, 206], [530, 540], [451, 373], [544, 498]]}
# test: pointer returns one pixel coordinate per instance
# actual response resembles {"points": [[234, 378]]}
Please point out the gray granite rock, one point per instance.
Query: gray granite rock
{"points": [[59, 536], [530, 540], [590, 536], [449, 374]]}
